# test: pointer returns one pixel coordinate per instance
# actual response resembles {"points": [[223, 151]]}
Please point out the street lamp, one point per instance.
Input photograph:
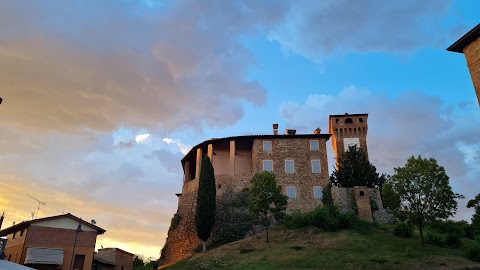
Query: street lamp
{"points": [[79, 229]]}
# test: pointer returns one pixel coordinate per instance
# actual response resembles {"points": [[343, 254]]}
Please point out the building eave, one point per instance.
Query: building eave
{"points": [[464, 41]]}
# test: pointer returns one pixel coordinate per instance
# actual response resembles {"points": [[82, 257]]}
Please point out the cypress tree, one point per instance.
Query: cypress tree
{"points": [[206, 201]]}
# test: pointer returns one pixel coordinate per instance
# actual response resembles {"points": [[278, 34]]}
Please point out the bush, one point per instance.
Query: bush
{"points": [[229, 234], [403, 230], [453, 240], [434, 239], [175, 221], [473, 253], [327, 218]]}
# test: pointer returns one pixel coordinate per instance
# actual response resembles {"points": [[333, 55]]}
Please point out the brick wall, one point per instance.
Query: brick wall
{"points": [[472, 54]]}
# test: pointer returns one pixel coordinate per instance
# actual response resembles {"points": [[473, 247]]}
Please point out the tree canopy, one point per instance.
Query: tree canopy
{"points": [[424, 192], [354, 169], [206, 201], [475, 204], [266, 200]]}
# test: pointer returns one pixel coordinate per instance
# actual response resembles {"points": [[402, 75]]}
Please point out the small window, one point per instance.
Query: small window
{"points": [[317, 192], [362, 193], [316, 166], [14, 235], [360, 119], [21, 233], [9, 257], [291, 193], [314, 145], [289, 166], [348, 121], [268, 165], [267, 146], [336, 120]]}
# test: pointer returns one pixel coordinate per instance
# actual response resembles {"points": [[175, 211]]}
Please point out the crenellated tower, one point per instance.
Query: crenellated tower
{"points": [[348, 129]]}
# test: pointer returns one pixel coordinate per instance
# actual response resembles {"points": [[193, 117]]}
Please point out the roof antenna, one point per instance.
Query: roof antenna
{"points": [[39, 203]]}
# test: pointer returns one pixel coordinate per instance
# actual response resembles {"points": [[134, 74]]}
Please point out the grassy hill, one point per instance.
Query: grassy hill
{"points": [[312, 248]]}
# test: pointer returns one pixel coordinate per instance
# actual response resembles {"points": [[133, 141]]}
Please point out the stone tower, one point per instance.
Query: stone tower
{"points": [[348, 129], [469, 45]]}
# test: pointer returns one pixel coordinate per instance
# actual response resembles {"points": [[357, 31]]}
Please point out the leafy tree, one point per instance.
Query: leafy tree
{"points": [[354, 169], [206, 201], [425, 193], [138, 260], [475, 203], [327, 198], [266, 199], [390, 197]]}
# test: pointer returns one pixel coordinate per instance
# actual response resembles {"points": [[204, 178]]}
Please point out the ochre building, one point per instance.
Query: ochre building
{"points": [[469, 45]]}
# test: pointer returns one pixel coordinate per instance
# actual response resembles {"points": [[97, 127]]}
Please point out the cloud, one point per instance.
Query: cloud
{"points": [[320, 28], [142, 137], [411, 124], [100, 66]]}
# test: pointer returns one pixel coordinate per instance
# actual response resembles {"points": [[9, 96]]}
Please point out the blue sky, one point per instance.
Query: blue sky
{"points": [[81, 80]]}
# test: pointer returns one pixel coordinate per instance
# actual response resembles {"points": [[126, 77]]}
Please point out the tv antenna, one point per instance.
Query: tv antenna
{"points": [[39, 203]]}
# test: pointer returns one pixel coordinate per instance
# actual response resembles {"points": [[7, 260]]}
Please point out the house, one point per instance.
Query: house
{"points": [[60, 242], [469, 45], [119, 259]]}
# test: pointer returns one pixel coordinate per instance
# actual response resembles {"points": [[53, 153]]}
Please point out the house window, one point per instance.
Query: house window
{"points": [[267, 146], [317, 192], [268, 165], [314, 145], [316, 166], [289, 166], [291, 192]]}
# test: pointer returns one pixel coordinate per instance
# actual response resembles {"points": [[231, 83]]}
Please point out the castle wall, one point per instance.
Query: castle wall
{"points": [[235, 163]]}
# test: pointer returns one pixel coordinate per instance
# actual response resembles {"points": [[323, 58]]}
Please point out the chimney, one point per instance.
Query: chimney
{"points": [[317, 131], [290, 131], [275, 129]]}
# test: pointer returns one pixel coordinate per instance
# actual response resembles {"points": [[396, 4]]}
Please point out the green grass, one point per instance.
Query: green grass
{"points": [[311, 248]]}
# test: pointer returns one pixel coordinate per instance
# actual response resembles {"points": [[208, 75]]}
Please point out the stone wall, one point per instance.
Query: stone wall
{"points": [[298, 150], [369, 206]]}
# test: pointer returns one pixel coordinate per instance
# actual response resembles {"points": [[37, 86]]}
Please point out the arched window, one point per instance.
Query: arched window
{"points": [[348, 121]]}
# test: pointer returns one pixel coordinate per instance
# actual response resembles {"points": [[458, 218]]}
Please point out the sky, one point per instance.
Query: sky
{"points": [[102, 99]]}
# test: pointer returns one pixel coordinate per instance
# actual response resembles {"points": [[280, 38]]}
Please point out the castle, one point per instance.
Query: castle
{"points": [[299, 162]]}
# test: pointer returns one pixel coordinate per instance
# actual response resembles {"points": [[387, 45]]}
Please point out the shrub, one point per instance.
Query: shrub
{"points": [[403, 229], [240, 199], [175, 221], [473, 253], [327, 218], [229, 234], [453, 240], [434, 239]]}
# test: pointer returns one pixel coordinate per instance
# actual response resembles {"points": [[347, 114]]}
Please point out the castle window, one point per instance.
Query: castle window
{"points": [[348, 121], [268, 165], [289, 166], [317, 192], [362, 193], [291, 192], [360, 119], [267, 146], [336, 120], [314, 145], [316, 166]]}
